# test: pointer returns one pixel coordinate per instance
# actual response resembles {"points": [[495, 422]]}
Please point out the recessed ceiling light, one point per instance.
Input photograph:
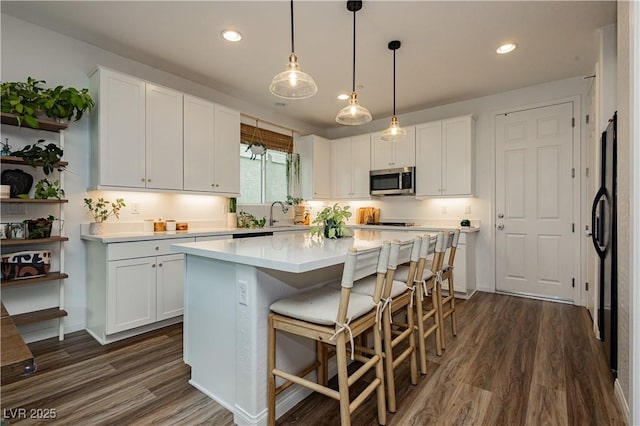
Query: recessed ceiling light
{"points": [[506, 48], [343, 96], [231, 35]]}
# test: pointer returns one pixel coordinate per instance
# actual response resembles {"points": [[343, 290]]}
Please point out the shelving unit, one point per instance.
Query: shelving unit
{"points": [[58, 276]]}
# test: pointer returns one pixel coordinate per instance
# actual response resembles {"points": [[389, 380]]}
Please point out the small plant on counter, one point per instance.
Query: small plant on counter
{"points": [[247, 220], [48, 156], [47, 189], [233, 202], [331, 222], [102, 209]]}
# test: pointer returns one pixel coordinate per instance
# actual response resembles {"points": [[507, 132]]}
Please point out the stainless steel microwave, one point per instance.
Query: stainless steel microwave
{"points": [[400, 181]]}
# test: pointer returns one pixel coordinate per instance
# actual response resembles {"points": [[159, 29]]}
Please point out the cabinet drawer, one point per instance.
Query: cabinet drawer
{"points": [[129, 250]]}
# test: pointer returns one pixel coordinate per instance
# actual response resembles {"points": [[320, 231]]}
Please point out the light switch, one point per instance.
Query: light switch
{"points": [[242, 293]]}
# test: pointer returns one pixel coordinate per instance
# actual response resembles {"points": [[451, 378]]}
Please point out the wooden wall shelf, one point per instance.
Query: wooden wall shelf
{"points": [[38, 316], [19, 161], [25, 281], [46, 125], [32, 201], [27, 241], [15, 357]]}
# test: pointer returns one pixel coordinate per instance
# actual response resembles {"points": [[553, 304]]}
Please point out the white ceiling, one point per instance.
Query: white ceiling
{"points": [[447, 54]]}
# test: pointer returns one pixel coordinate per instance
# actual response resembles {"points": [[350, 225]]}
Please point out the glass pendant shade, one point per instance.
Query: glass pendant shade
{"points": [[293, 83], [394, 133], [354, 113]]}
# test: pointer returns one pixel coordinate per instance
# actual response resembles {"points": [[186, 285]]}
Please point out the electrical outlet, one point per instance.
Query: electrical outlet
{"points": [[443, 209], [467, 209], [242, 293], [135, 208]]}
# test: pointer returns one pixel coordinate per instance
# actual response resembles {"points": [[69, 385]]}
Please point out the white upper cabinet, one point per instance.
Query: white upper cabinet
{"points": [[117, 130], [199, 146], [445, 158], [350, 165], [146, 136], [163, 138], [390, 155], [227, 152], [315, 161]]}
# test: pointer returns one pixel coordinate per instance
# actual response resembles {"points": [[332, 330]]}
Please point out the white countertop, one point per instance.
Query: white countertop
{"points": [[120, 237], [292, 252]]}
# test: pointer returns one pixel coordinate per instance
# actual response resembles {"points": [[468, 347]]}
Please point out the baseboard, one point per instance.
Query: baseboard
{"points": [[622, 402]]}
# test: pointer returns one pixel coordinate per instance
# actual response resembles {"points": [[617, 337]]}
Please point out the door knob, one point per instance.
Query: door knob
{"points": [[500, 227], [500, 216]]}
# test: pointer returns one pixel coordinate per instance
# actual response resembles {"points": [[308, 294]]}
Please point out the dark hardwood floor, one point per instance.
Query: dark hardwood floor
{"points": [[515, 361]]}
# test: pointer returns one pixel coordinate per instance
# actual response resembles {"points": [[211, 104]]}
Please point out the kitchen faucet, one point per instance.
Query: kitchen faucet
{"points": [[284, 210]]}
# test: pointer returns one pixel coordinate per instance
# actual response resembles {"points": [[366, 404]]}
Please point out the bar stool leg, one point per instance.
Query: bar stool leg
{"points": [[377, 346], [271, 364], [343, 379]]}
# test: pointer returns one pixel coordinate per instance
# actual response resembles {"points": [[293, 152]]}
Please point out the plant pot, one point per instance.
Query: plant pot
{"points": [[95, 228], [257, 150], [331, 229], [232, 220], [38, 228]]}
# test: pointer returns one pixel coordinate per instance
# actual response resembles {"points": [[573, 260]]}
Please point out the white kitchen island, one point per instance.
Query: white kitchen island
{"points": [[229, 287]]}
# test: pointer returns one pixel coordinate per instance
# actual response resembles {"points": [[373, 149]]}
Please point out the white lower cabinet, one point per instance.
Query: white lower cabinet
{"points": [[133, 287], [464, 273]]}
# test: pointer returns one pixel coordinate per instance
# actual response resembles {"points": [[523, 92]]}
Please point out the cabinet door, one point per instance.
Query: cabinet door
{"points": [[118, 133], [170, 286], [341, 175], [360, 165], [163, 138], [131, 294], [382, 153], [457, 156], [429, 159], [227, 157], [321, 165], [199, 144], [405, 149]]}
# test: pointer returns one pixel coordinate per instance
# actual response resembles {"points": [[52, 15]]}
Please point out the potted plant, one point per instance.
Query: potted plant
{"points": [[47, 156], [46, 189], [29, 100], [331, 222], [247, 220], [256, 148], [299, 208], [23, 99], [67, 103], [232, 216], [101, 210], [40, 227]]}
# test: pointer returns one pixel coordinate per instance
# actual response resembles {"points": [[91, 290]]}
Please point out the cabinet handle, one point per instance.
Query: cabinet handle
{"points": [[213, 185], [148, 180], [142, 179], [153, 265], [157, 247], [159, 265]]}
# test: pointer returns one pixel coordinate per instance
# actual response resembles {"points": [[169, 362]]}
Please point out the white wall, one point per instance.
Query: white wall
{"points": [[29, 50]]}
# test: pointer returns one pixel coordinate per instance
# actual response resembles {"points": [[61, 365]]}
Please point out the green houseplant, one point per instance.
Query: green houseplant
{"points": [[47, 189], [331, 222], [48, 156], [39, 228], [29, 100], [101, 210]]}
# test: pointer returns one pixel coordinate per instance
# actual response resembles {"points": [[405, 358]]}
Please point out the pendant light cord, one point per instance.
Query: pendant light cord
{"points": [[394, 81], [292, 43], [353, 84]]}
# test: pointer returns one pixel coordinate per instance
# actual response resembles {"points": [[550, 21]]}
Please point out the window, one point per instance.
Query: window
{"points": [[264, 178]]}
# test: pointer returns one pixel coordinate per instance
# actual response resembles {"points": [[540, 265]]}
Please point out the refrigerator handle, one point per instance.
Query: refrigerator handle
{"points": [[594, 222]]}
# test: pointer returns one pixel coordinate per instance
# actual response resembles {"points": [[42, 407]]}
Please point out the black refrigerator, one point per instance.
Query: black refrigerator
{"points": [[604, 235]]}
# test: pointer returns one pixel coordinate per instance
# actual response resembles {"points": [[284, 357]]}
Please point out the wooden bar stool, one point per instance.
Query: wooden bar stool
{"points": [[335, 318], [397, 297], [427, 314], [446, 274]]}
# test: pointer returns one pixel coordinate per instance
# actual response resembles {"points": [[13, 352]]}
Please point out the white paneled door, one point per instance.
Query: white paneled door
{"points": [[534, 202]]}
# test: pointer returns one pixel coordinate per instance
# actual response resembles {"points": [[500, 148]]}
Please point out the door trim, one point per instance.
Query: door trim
{"points": [[578, 244]]}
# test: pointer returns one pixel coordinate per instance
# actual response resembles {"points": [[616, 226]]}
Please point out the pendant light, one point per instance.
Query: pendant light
{"points": [[353, 114], [293, 83], [394, 132]]}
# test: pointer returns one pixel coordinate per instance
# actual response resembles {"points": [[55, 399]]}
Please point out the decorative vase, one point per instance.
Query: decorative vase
{"points": [[232, 220], [95, 228], [328, 226], [19, 181]]}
